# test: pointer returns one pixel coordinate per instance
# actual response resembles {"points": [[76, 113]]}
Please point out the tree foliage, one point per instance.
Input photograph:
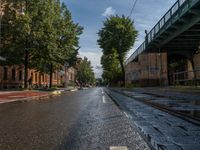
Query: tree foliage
{"points": [[115, 39], [111, 69], [39, 34], [85, 74]]}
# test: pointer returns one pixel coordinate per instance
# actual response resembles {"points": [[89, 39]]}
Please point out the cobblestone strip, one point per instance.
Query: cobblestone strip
{"points": [[162, 130]]}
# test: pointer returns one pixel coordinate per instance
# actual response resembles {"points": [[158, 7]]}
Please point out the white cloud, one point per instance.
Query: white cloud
{"points": [[94, 57], [109, 11]]}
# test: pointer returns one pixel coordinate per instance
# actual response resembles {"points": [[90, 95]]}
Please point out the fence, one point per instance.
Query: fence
{"points": [[185, 78]]}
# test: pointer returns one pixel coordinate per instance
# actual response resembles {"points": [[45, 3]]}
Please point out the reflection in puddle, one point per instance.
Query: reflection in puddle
{"points": [[189, 108], [192, 113]]}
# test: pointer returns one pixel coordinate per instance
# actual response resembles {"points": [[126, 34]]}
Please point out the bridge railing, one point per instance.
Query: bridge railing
{"points": [[172, 15], [139, 50]]}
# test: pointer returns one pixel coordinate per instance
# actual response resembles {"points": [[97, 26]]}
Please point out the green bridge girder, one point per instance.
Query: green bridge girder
{"points": [[177, 30]]}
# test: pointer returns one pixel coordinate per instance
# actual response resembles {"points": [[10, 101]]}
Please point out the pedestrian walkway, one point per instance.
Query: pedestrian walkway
{"points": [[10, 96]]}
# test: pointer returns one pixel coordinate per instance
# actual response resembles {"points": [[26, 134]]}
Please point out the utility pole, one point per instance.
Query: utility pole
{"points": [[66, 75]]}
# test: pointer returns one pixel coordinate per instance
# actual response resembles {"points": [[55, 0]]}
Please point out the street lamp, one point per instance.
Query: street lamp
{"points": [[66, 65]]}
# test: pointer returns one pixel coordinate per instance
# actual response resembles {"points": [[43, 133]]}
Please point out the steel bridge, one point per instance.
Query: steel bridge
{"points": [[177, 30]]}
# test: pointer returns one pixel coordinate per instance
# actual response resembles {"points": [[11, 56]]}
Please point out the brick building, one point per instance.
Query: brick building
{"points": [[13, 77]]}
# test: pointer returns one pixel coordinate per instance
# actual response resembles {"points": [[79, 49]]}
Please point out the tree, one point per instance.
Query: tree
{"points": [[111, 69], [85, 74], [117, 36], [39, 34], [64, 42], [22, 28]]}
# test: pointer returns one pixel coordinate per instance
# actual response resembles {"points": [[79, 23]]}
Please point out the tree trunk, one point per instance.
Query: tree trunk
{"points": [[26, 69], [51, 74], [123, 70], [121, 61]]}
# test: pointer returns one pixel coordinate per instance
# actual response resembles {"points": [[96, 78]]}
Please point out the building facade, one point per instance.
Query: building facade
{"points": [[13, 77]]}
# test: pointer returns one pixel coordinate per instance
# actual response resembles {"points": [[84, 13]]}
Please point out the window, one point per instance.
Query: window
{"points": [[20, 75], [5, 73], [43, 78], [35, 77], [46, 78], [55, 76], [13, 74], [31, 76], [72, 76]]}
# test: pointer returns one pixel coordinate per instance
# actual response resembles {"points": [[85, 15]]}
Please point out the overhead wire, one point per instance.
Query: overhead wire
{"points": [[133, 7]]}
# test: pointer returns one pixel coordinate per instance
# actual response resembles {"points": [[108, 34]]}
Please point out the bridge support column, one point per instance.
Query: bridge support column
{"points": [[153, 68], [150, 69], [132, 73]]}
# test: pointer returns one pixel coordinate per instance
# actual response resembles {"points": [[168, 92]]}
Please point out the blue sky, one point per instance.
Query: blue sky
{"points": [[91, 13]]}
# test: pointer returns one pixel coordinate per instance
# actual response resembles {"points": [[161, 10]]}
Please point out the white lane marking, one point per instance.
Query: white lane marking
{"points": [[118, 148], [102, 91], [126, 114], [103, 99]]}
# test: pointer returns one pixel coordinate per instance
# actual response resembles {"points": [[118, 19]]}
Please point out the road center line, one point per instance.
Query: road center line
{"points": [[103, 99], [102, 91], [118, 148]]}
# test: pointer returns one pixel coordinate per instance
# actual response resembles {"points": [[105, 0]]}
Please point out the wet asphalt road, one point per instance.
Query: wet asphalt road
{"points": [[85, 120]]}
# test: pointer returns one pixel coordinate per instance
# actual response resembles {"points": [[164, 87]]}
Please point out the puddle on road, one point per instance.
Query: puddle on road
{"points": [[157, 96], [193, 113], [190, 108]]}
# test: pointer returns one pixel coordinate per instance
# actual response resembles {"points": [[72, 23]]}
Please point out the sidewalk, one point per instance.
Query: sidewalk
{"points": [[11, 96]]}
